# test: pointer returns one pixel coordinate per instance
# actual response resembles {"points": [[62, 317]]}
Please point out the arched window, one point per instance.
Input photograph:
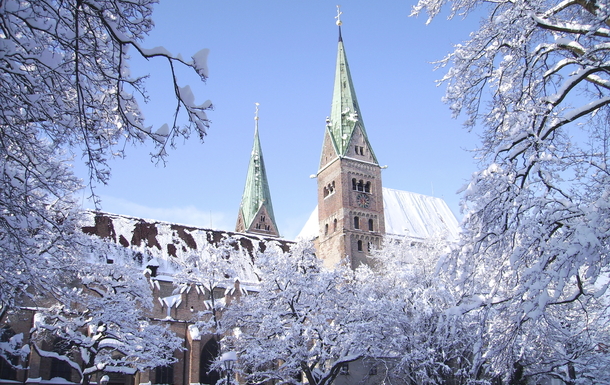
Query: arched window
{"points": [[335, 225], [360, 245], [208, 355], [164, 374], [356, 222], [7, 371], [326, 229], [360, 185], [367, 187], [354, 184], [60, 368], [371, 224]]}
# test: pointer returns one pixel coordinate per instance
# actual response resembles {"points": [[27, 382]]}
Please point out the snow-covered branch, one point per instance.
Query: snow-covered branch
{"points": [[533, 223], [106, 327], [66, 88]]}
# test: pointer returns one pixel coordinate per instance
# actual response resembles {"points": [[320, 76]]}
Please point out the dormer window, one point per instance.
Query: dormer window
{"points": [[344, 370], [153, 270]]}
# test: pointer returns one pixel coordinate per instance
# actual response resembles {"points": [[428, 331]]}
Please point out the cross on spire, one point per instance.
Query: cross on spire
{"points": [[338, 17]]}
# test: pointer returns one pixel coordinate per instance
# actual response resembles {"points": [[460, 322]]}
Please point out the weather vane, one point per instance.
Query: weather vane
{"points": [[256, 112], [338, 17]]}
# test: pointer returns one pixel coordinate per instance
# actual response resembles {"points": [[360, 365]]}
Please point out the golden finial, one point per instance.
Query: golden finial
{"points": [[338, 17], [256, 112]]}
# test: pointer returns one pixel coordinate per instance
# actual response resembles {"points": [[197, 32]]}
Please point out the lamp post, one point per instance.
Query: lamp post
{"points": [[228, 360]]}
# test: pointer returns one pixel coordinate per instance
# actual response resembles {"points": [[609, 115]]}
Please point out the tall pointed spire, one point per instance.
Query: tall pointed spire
{"points": [[345, 116], [256, 210]]}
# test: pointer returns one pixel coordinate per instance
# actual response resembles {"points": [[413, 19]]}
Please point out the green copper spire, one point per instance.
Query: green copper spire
{"points": [[345, 116], [256, 210]]}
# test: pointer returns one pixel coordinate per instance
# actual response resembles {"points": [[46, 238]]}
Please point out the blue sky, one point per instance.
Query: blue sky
{"points": [[281, 54]]}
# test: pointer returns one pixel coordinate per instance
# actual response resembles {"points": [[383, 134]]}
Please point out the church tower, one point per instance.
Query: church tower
{"points": [[256, 211], [350, 202]]}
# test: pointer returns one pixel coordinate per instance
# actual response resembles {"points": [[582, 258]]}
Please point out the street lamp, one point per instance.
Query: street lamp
{"points": [[228, 360]]}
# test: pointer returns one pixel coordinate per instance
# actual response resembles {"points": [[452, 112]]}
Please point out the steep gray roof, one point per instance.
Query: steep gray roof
{"points": [[408, 214]]}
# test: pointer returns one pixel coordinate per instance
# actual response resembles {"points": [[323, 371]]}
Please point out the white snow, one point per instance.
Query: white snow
{"points": [[418, 216], [311, 228], [194, 333], [186, 94], [155, 51], [229, 356], [57, 380], [200, 60], [163, 130], [173, 300]]}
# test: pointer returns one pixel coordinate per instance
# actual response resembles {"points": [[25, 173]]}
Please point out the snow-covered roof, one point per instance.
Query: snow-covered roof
{"points": [[160, 243], [406, 214]]}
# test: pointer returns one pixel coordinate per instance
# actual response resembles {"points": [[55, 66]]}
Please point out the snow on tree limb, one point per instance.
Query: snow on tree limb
{"points": [[65, 87], [535, 77], [105, 329]]}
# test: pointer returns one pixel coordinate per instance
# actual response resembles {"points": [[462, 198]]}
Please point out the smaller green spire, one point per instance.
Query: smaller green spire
{"points": [[256, 209]]}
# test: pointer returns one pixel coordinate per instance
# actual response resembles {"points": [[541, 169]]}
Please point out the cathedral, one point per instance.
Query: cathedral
{"points": [[354, 210], [353, 215]]}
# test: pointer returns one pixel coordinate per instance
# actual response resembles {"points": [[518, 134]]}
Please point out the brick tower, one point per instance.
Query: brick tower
{"points": [[350, 202]]}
